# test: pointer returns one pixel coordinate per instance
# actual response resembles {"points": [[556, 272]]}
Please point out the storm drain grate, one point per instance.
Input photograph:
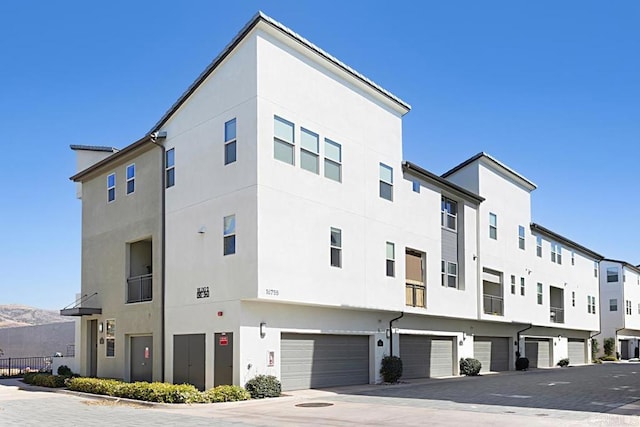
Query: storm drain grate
{"points": [[314, 405]]}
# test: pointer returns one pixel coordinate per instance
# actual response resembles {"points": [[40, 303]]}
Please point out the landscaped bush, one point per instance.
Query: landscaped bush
{"points": [[609, 346], [263, 386], [391, 369], [594, 348], [226, 393], [608, 359], [65, 371], [149, 392], [93, 385], [522, 364], [470, 366], [563, 362], [44, 380]]}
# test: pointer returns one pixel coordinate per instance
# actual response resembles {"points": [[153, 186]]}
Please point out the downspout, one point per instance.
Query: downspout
{"points": [[154, 139], [518, 337], [391, 332]]}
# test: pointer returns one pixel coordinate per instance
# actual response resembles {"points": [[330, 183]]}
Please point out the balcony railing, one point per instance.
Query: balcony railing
{"points": [[139, 288], [415, 295], [493, 305], [557, 315]]}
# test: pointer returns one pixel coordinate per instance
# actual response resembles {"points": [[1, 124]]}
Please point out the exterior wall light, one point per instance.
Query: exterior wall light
{"points": [[263, 329], [100, 327]]}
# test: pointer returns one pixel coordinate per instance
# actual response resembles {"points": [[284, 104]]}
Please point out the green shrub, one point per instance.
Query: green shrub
{"points": [[226, 393], [609, 346], [597, 361], [93, 385], [391, 369], [563, 362], [608, 359], [594, 348], [65, 371], [149, 392], [470, 366], [263, 386], [28, 377], [522, 364], [44, 380]]}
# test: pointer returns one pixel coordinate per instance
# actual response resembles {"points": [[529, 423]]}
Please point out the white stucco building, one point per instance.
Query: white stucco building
{"points": [[268, 224]]}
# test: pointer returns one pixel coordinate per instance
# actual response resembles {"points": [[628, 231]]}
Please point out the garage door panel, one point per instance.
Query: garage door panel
{"points": [[492, 352], [538, 351], [576, 351], [423, 356]]}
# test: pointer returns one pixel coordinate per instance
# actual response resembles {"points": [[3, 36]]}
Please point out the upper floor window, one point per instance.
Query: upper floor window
{"points": [[449, 274], [613, 304], [539, 246], [449, 218], [111, 187], [627, 306], [513, 284], [556, 253], [309, 150], [230, 142], [573, 258], [539, 289], [229, 235], [493, 226], [336, 247], [522, 286], [638, 308], [612, 274], [573, 298], [521, 237], [591, 304], [415, 295], [391, 260], [131, 178], [170, 169], [595, 268], [386, 182], [415, 185], [332, 160], [283, 140]]}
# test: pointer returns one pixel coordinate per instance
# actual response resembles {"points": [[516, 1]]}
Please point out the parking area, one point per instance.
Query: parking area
{"points": [[593, 395]]}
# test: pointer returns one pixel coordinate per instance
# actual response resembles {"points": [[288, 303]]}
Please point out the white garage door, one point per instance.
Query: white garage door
{"points": [[577, 350], [492, 352], [424, 356], [316, 361], [538, 351]]}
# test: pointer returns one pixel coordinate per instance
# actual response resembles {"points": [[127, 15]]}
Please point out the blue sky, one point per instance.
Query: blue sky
{"points": [[550, 88]]}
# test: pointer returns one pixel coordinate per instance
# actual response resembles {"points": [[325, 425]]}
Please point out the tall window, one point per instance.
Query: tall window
{"points": [[111, 187], [309, 148], [386, 182], [415, 185], [539, 293], [229, 232], [612, 274], [522, 286], [449, 274], [573, 298], [110, 337], [638, 308], [556, 253], [449, 218], [539, 246], [521, 237], [573, 258], [415, 279], [591, 304], [627, 306], [595, 268], [332, 160], [170, 169], [283, 140], [493, 226], [391, 260], [336, 247], [230, 142], [513, 284], [613, 304], [131, 178]]}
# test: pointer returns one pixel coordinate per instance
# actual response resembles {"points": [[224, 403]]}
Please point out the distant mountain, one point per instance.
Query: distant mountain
{"points": [[20, 315]]}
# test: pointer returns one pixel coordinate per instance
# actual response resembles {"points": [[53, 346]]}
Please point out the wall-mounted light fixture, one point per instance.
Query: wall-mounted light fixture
{"points": [[263, 329], [100, 327], [202, 230]]}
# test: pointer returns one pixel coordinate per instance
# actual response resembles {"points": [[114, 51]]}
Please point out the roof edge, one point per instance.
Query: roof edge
{"points": [[407, 165], [77, 147], [568, 242], [635, 268], [482, 155]]}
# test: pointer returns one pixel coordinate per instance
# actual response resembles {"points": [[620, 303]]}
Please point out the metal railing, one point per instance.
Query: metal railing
{"points": [[18, 366], [493, 305], [557, 315], [139, 288]]}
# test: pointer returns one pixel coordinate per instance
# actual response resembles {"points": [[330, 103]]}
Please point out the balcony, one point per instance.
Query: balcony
{"points": [[139, 288], [557, 315], [493, 305]]}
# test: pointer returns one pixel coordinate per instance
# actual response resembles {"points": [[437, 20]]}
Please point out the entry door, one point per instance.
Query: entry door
{"points": [[189, 359], [624, 349], [93, 348], [141, 358], [223, 359]]}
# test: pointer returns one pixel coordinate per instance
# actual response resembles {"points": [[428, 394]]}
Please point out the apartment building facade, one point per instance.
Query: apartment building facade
{"points": [[268, 224]]}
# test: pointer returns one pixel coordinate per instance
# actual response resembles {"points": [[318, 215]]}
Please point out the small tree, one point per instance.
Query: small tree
{"points": [[594, 348], [609, 346], [391, 369]]}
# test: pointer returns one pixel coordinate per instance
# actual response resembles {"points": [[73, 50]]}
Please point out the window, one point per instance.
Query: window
{"points": [[170, 169], [283, 140], [449, 274], [336, 247], [521, 237], [624, 277], [638, 308], [595, 268], [612, 274], [414, 278], [111, 187], [493, 226], [613, 305], [391, 260], [591, 304], [573, 298], [522, 286], [230, 142], [386, 182], [573, 258], [229, 239], [513, 284], [131, 178], [449, 217], [332, 160], [627, 307], [539, 246], [111, 337], [309, 148], [556, 253], [539, 287], [416, 186]]}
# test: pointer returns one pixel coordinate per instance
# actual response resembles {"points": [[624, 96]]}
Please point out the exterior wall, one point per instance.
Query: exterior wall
{"points": [[36, 341]]}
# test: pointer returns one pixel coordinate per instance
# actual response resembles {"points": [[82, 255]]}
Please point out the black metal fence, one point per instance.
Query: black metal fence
{"points": [[18, 366]]}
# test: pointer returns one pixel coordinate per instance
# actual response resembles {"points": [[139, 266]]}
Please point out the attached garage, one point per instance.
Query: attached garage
{"points": [[426, 356], [317, 361], [492, 352], [538, 351], [577, 350]]}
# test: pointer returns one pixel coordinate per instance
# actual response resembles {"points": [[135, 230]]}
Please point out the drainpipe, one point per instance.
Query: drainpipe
{"points": [[391, 332], [518, 336], [154, 139]]}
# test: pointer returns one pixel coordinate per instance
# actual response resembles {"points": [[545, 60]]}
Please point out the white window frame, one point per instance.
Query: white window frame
{"points": [[595, 268], [446, 213], [230, 141], [627, 306], [111, 188], [110, 336], [309, 151], [131, 179], [331, 161], [613, 304], [609, 275], [573, 298], [539, 246], [229, 234], [335, 247], [446, 268], [390, 259], [493, 226], [170, 169], [384, 183], [521, 237], [522, 286], [513, 284], [539, 293], [573, 258], [283, 142], [556, 253]]}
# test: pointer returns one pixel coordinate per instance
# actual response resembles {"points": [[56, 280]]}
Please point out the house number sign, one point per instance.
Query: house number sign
{"points": [[202, 292]]}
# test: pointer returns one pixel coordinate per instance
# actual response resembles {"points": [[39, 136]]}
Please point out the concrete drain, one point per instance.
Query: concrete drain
{"points": [[314, 405]]}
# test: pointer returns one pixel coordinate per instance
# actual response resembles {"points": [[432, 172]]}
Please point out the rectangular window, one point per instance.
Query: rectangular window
{"points": [[522, 286], [386, 182], [513, 284], [627, 306], [493, 226], [391, 260], [593, 305], [415, 294], [336, 247], [613, 304], [131, 178], [595, 268], [449, 218], [556, 253], [539, 293], [449, 274], [573, 258], [332, 160], [539, 246], [110, 335], [309, 149], [230, 154], [229, 233], [638, 308], [521, 237], [573, 299], [416, 186], [111, 187], [612, 274], [589, 304], [170, 169], [283, 140]]}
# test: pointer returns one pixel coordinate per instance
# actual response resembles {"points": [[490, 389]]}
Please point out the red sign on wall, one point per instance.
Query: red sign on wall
{"points": [[146, 352], [223, 340]]}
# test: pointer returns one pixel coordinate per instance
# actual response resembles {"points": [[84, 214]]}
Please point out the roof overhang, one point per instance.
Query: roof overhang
{"points": [[80, 311], [570, 243], [441, 182]]}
